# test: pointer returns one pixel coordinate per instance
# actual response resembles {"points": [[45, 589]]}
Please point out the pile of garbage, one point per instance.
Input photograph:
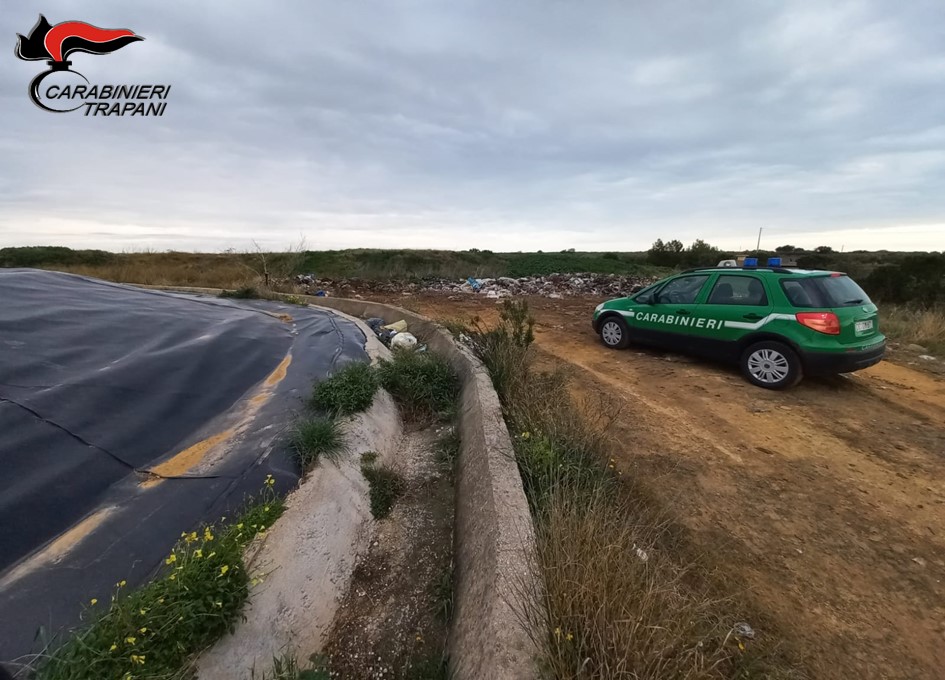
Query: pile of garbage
{"points": [[551, 285], [394, 335]]}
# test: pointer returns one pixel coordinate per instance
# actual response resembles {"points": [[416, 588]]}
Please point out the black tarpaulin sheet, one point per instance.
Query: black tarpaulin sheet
{"points": [[100, 382]]}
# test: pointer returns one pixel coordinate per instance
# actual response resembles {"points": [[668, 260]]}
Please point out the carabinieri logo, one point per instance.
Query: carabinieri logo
{"points": [[55, 44]]}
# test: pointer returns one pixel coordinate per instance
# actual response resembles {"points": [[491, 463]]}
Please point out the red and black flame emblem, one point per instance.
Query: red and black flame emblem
{"points": [[54, 44]]}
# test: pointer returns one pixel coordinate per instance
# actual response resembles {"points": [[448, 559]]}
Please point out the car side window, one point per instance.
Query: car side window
{"points": [[681, 291], [738, 290]]}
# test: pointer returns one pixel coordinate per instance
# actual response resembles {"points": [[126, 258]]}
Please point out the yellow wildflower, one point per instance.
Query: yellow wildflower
{"points": [[191, 537], [172, 577], [130, 640], [94, 601], [558, 633], [225, 568], [142, 630], [113, 648], [122, 583], [198, 553], [171, 559], [526, 435], [138, 659], [570, 637], [207, 536], [239, 526]]}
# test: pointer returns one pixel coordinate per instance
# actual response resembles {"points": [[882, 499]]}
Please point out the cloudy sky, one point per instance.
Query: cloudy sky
{"points": [[534, 124]]}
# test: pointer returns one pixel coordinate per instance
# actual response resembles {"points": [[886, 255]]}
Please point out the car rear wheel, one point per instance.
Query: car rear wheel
{"points": [[614, 332], [772, 365]]}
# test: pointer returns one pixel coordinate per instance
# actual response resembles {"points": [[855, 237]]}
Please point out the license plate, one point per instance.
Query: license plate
{"points": [[863, 326]]}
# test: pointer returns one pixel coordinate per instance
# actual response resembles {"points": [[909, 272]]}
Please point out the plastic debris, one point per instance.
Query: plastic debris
{"points": [[374, 323], [399, 326], [743, 630], [550, 285], [403, 341]]}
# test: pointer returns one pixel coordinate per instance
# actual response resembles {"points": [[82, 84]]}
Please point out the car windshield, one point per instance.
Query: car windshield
{"points": [[824, 291]]}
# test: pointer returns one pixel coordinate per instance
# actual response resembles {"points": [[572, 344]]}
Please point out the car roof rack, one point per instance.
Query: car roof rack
{"points": [[776, 270]]}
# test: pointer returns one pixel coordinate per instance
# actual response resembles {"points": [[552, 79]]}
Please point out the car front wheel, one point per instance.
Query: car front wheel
{"points": [[772, 365], [614, 332]]}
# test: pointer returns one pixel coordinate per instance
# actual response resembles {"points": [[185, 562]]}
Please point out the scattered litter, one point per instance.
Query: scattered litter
{"points": [[398, 326], [742, 629], [551, 285], [919, 561], [403, 341], [375, 323], [321, 293], [926, 357], [641, 553]]}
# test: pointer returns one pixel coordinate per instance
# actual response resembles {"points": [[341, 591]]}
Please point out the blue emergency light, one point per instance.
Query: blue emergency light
{"points": [[751, 262], [774, 261]]}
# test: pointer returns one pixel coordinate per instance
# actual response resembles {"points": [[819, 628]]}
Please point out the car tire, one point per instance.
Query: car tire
{"points": [[772, 365], [614, 332]]}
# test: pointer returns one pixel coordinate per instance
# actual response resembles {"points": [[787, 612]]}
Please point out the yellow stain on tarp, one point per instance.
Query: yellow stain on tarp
{"points": [[181, 463], [54, 551]]}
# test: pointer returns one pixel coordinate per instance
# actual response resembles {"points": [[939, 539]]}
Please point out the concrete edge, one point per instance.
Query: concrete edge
{"points": [[494, 540]]}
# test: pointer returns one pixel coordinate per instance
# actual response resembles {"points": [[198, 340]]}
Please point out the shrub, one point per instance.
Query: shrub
{"points": [[245, 293], [350, 390], [313, 438], [153, 631], [423, 383], [386, 485]]}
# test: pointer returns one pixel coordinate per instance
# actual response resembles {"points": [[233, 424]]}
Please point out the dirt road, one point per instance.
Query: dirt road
{"points": [[825, 504]]}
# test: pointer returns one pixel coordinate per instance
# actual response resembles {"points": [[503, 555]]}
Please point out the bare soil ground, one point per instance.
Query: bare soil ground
{"points": [[823, 505], [391, 623]]}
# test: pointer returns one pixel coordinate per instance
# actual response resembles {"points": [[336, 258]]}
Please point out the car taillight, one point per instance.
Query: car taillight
{"points": [[822, 322]]}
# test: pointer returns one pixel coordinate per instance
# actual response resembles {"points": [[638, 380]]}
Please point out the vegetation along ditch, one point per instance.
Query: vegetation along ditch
{"points": [[621, 594]]}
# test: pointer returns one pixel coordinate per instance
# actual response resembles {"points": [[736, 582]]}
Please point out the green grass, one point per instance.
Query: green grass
{"points": [[154, 632], [423, 383], [447, 449], [315, 437], [350, 390], [287, 667], [385, 485]]}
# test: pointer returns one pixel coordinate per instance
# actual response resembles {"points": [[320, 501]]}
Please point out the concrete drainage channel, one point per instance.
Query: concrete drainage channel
{"points": [[336, 578]]}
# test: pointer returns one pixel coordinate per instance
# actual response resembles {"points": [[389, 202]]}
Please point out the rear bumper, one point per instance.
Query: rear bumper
{"points": [[824, 363]]}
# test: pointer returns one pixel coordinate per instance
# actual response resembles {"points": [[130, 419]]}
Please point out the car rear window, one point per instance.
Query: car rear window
{"points": [[824, 291]]}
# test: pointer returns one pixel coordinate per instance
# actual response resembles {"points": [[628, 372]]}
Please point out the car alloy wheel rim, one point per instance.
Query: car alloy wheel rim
{"points": [[768, 366], [611, 333]]}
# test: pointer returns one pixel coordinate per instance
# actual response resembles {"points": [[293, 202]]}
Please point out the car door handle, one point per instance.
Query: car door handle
{"points": [[753, 317], [682, 311]]}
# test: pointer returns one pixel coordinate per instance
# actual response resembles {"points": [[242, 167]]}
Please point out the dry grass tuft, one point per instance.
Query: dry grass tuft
{"points": [[620, 594], [925, 327]]}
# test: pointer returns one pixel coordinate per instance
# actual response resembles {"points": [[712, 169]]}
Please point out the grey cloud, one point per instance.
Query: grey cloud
{"points": [[458, 124]]}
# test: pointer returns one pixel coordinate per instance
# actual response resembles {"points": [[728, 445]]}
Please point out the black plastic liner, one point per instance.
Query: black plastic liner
{"points": [[101, 382]]}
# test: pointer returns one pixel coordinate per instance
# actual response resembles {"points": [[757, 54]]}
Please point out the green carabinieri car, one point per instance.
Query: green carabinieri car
{"points": [[778, 324]]}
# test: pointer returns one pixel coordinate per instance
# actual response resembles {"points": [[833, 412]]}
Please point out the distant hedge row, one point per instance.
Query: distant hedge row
{"points": [[37, 256]]}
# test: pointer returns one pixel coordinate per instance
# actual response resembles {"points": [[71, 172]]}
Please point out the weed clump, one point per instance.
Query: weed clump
{"points": [[153, 631], [423, 383], [349, 391], [245, 293], [386, 485], [315, 437]]}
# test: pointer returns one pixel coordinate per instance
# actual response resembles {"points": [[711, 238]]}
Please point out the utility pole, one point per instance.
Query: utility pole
{"points": [[758, 247]]}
